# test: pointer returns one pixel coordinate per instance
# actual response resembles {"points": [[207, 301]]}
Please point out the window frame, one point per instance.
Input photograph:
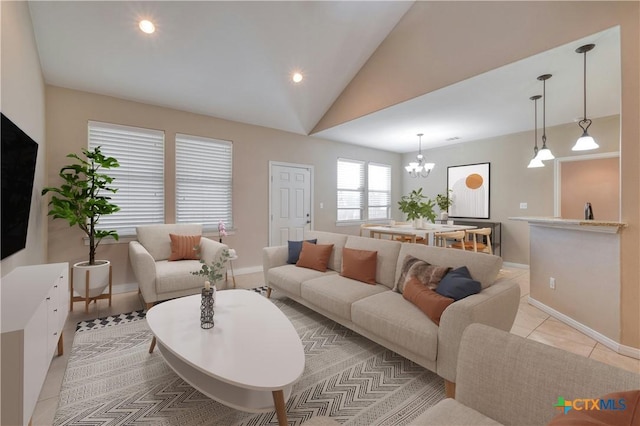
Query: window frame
{"points": [[364, 190]]}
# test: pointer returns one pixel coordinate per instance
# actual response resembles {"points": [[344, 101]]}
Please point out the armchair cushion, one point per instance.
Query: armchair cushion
{"points": [[184, 247]]}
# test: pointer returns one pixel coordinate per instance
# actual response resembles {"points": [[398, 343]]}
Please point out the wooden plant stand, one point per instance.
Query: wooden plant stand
{"points": [[87, 299]]}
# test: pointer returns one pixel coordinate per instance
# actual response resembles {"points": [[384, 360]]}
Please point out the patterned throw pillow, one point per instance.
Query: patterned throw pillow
{"points": [[428, 301], [359, 265], [428, 274], [315, 256], [184, 247]]}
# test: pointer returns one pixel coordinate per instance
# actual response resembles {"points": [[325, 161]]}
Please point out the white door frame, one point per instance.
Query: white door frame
{"points": [[300, 166]]}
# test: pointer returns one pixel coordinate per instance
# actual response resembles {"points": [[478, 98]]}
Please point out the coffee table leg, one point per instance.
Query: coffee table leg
{"points": [[278, 400], [153, 344]]}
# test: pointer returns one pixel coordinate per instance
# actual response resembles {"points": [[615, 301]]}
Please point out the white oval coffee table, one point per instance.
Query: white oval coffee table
{"points": [[249, 360]]}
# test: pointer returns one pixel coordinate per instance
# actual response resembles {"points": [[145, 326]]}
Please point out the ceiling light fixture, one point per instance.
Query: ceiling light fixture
{"points": [[419, 168], [544, 153], [535, 162], [296, 77], [585, 142], [147, 26]]}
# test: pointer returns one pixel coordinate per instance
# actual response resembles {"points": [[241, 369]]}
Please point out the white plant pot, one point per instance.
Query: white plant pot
{"points": [[444, 215], [98, 277], [418, 223]]}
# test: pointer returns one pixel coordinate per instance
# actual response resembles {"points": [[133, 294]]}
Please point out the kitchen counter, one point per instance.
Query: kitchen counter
{"points": [[576, 224]]}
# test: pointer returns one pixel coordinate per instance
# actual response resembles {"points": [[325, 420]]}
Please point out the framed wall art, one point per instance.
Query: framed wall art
{"points": [[469, 186]]}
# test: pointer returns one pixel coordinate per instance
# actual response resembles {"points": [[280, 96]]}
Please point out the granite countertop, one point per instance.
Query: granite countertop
{"points": [[599, 225]]}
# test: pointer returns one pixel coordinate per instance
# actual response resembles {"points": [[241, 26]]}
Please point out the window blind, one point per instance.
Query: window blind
{"points": [[140, 177], [379, 191], [203, 181], [350, 190]]}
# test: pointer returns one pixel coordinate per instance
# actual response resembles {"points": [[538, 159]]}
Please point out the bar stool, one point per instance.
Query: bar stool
{"points": [[440, 238]]}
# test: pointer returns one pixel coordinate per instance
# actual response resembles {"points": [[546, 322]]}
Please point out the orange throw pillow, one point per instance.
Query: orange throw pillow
{"points": [[359, 265], [427, 300], [184, 247], [315, 256]]}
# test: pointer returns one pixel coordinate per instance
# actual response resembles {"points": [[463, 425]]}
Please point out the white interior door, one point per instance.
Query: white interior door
{"points": [[290, 203]]}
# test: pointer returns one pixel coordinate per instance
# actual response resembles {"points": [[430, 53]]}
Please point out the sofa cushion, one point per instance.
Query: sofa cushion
{"points": [[314, 256], [359, 265], [336, 293], [428, 274], [458, 284], [184, 247], [427, 300], [294, 250], [289, 277], [483, 267], [399, 322], [338, 241], [450, 412], [155, 238], [176, 276], [387, 256]]}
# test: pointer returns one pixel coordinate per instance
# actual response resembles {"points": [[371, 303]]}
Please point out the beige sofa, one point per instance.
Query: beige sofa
{"points": [[160, 279], [505, 379], [384, 316]]}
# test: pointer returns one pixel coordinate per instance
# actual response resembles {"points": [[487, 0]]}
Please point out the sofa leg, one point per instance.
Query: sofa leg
{"points": [[268, 292], [449, 389], [149, 305]]}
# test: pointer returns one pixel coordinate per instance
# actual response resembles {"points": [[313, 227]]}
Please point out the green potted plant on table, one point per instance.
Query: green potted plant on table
{"points": [[444, 201], [81, 201], [417, 206]]}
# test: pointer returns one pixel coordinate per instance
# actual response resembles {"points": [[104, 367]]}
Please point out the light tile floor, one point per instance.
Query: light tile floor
{"points": [[530, 322]]}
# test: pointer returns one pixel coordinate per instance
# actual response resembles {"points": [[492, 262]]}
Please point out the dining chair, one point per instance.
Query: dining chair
{"points": [[440, 238], [472, 243]]}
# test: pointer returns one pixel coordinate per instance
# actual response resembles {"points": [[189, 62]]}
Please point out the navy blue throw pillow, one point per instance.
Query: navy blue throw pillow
{"points": [[295, 247], [458, 284]]}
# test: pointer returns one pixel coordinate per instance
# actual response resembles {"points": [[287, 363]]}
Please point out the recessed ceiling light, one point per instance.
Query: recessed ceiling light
{"points": [[147, 26], [296, 77]]}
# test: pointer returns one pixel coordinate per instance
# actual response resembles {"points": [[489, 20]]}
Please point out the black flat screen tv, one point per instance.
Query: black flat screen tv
{"points": [[18, 162]]}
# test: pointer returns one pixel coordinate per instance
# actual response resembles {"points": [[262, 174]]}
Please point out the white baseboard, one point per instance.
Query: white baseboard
{"points": [[598, 337], [129, 287], [516, 265]]}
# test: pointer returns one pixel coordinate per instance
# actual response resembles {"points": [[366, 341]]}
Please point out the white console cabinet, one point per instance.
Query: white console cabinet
{"points": [[35, 304]]}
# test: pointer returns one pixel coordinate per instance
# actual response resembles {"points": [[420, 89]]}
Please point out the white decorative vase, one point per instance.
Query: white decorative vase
{"points": [[98, 275], [417, 223], [444, 215]]}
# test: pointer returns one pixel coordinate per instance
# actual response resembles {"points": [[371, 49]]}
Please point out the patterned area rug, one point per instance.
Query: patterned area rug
{"points": [[111, 379]]}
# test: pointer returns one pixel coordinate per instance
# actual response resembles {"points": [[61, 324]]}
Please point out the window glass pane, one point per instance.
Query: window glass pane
{"points": [[203, 181], [379, 191], [350, 190], [378, 213], [140, 177]]}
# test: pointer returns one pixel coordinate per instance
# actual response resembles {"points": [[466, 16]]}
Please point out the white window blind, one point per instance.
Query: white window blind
{"points": [[350, 190], [140, 177], [203, 181], [379, 191]]}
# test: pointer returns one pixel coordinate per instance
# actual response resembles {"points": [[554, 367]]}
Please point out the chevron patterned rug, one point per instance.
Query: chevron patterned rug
{"points": [[111, 379]]}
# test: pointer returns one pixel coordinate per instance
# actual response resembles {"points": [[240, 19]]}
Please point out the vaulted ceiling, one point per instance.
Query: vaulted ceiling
{"points": [[234, 60]]}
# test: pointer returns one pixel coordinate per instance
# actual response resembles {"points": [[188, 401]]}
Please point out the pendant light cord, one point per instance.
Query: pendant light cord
{"points": [[584, 87], [544, 114], [535, 114]]}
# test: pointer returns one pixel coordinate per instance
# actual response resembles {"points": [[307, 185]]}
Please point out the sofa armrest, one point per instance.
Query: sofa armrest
{"points": [[495, 306], [273, 257], [144, 269], [211, 251]]}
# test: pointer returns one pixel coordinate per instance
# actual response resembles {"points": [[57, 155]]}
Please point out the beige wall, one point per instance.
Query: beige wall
{"points": [[595, 181], [512, 182], [253, 147], [22, 97], [440, 43]]}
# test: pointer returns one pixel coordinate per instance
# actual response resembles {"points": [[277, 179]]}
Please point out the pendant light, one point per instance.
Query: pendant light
{"points": [[419, 168], [544, 153], [585, 142], [535, 162]]}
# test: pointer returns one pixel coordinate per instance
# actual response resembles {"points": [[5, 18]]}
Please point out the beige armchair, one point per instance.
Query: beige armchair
{"points": [[160, 279]]}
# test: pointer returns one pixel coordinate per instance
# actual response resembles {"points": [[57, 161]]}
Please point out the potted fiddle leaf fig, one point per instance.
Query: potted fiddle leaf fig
{"points": [[82, 199], [417, 206]]}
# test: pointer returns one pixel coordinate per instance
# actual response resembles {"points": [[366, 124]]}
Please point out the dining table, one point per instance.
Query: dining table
{"points": [[426, 231]]}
